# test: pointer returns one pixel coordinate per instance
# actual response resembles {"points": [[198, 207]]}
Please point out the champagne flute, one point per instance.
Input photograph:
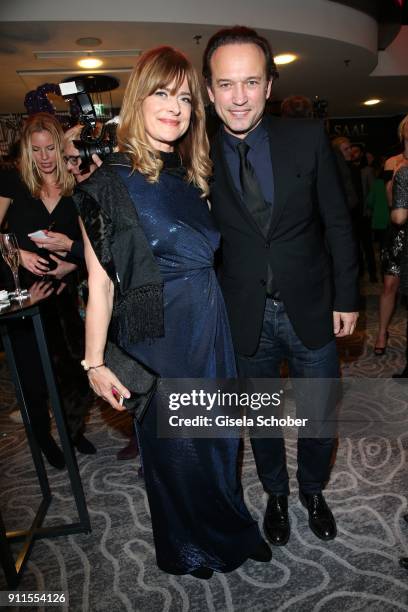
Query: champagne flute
{"points": [[11, 255]]}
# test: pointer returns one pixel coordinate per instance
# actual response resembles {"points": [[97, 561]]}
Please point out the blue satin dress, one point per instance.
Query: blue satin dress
{"points": [[197, 509]]}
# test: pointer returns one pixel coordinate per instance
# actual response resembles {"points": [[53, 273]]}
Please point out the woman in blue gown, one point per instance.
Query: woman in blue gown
{"points": [[200, 522]]}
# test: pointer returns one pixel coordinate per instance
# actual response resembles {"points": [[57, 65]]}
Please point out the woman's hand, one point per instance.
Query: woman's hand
{"points": [[33, 263], [40, 290], [63, 268], [54, 242], [107, 386]]}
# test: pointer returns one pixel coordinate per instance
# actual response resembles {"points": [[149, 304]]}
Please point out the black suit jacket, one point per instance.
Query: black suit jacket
{"points": [[310, 245]]}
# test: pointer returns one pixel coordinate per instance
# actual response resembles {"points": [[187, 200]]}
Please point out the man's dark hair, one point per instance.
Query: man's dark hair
{"points": [[234, 36]]}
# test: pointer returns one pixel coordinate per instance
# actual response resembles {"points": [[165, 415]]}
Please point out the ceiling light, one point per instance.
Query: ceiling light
{"points": [[90, 63], [372, 102], [46, 55], [88, 41], [284, 58]]}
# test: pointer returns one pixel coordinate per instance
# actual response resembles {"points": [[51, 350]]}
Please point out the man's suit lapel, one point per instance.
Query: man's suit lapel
{"points": [[223, 168], [282, 156]]}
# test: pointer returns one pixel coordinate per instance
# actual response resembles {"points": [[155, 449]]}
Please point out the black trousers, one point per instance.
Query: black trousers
{"points": [[31, 375], [65, 337]]}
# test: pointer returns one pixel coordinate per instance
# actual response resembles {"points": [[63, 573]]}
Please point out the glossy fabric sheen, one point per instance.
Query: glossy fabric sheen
{"points": [[180, 231], [198, 514]]}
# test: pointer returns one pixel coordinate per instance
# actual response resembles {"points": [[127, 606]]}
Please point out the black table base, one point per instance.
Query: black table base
{"points": [[13, 569]]}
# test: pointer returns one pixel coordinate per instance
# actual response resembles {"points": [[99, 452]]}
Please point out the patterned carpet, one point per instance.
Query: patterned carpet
{"points": [[114, 567]]}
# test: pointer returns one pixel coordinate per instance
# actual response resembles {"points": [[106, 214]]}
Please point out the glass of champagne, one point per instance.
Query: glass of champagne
{"points": [[11, 255]]}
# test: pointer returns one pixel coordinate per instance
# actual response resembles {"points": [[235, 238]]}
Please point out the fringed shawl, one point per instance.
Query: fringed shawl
{"points": [[113, 228]]}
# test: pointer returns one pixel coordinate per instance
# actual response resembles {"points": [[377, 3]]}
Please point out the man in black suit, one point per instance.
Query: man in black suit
{"points": [[289, 273]]}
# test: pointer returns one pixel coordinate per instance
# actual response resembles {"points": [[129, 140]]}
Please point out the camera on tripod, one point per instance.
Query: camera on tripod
{"points": [[77, 91]]}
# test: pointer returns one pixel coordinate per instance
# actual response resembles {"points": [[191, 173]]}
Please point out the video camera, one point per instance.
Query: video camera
{"points": [[320, 108], [102, 144]]}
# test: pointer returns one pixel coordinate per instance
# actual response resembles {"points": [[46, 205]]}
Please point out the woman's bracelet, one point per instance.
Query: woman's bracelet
{"points": [[88, 367]]}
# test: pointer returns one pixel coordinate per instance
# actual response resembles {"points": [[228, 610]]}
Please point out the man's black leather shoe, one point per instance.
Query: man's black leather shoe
{"points": [[321, 519], [276, 521], [262, 553]]}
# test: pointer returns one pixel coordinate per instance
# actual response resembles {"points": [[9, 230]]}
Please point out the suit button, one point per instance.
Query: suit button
{"points": [[262, 282]]}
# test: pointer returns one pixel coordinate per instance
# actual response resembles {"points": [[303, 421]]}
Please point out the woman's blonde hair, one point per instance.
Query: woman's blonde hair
{"points": [[401, 128], [28, 167], [340, 140], [156, 69]]}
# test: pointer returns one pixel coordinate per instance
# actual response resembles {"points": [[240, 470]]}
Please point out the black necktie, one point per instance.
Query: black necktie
{"points": [[251, 190], [255, 202]]}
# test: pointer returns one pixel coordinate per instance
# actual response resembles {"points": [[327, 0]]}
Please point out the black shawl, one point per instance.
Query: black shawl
{"points": [[113, 228]]}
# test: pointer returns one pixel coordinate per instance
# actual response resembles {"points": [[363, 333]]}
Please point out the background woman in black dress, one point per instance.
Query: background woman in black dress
{"points": [[391, 253], [399, 216], [38, 197]]}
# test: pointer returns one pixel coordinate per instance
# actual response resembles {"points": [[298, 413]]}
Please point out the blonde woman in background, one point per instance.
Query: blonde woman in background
{"points": [[38, 197], [391, 253]]}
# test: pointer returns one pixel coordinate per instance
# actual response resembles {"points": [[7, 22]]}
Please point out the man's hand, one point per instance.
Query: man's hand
{"points": [[344, 323]]}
